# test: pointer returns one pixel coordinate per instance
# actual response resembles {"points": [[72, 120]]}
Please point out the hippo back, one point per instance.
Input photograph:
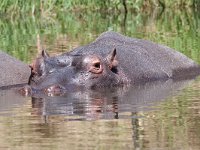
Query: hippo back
{"points": [[142, 60], [12, 71]]}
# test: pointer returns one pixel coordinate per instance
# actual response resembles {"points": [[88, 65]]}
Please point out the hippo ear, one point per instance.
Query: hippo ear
{"points": [[38, 65], [112, 59], [44, 54]]}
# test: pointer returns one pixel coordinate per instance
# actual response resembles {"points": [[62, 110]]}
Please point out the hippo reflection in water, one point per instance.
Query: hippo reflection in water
{"points": [[112, 60]]}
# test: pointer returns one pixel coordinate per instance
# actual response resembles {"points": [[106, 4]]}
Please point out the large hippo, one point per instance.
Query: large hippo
{"points": [[12, 71], [112, 60]]}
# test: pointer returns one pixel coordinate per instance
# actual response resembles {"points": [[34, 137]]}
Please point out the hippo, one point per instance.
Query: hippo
{"points": [[13, 72], [112, 60]]}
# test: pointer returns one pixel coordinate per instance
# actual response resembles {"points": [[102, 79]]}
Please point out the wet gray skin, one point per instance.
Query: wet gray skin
{"points": [[12, 71], [112, 60]]}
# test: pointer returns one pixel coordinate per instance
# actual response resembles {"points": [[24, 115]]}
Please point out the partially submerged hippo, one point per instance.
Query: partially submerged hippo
{"points": [[112, 60], [12, 71]]}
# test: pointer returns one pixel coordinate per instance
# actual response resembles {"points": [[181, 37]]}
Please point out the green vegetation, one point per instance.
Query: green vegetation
{"points": [[63, 25], [13, 8]]}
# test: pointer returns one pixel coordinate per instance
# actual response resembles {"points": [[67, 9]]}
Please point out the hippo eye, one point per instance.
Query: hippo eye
{"points": [[97, 65], [93, 64], [96, 68]]}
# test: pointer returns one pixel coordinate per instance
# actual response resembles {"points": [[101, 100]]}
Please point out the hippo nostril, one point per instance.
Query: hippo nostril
{"points": [[54, 90]]}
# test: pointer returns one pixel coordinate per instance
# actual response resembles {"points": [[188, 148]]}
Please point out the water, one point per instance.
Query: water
{"points": [[157, 115], [161, 115]]}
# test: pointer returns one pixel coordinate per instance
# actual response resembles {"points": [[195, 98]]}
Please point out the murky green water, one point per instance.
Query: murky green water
{"points": [[161, 115]]}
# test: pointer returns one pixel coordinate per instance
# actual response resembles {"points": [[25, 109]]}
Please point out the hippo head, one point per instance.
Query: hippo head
{"points": [[69, 72]]}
